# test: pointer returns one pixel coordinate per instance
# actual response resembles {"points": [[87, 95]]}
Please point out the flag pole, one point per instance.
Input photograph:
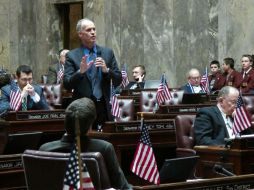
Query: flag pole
{"points": [[77, 130]]}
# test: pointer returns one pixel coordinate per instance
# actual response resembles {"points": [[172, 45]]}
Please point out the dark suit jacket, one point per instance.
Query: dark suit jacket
{"points": [[116, 175], [247, 84], [219, 81], [140, 85], [187, 89], [80, 82], [31, 105], [210, 128]]}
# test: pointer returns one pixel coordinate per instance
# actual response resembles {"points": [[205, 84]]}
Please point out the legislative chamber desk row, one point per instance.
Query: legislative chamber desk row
{"points": [[124, 136]]}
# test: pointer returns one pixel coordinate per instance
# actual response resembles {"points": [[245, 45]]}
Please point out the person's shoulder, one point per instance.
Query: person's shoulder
{"points": [[208, 110], [6, 88], [99, 145], [103, 48]]}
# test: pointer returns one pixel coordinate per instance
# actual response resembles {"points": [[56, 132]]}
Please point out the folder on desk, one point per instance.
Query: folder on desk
{"points": [[177, 169]]}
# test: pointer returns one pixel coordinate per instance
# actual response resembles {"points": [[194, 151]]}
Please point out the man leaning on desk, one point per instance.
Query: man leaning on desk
{"points": [[213, 124], [23, 94]]}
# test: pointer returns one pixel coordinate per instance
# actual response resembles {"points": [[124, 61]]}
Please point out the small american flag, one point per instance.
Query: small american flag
{"points": [[242, 119], [125, 80], [72, 177], [204, 82], [115, 110], [60, 74], [144, 164], [163, 92], [15, 96]]}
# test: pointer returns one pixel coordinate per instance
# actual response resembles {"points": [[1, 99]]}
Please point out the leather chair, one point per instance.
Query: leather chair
{"points": [[249, 105], [53, 95], [148, 102], [46, 170], [126, 106], [185, 140]]}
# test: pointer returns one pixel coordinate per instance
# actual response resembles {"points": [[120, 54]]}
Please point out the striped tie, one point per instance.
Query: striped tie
{"points": [[24, 104]]}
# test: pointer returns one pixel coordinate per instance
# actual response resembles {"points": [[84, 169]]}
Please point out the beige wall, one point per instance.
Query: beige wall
{"points": [[165, 35]]}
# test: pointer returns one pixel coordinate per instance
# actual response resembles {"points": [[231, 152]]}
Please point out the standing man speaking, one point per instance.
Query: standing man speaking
{"points": [[89, 70]]}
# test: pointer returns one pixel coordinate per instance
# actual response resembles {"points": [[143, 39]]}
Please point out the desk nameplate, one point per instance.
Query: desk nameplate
{"points": [[134, 126], [35, 115], [40, 116]]}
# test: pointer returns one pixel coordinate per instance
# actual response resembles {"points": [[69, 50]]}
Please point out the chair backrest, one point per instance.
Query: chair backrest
{"points": [[148, 101], [249, 105], [184, 131], [46, 170], [126, 106], [53, 94]]}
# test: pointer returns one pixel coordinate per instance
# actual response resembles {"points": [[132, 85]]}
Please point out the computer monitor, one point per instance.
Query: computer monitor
{"points": [[152, 84], [19, 142], [192, 98], [177, 169]]}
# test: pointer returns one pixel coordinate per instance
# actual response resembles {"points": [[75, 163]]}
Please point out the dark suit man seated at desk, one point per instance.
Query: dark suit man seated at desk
{"points": [[87, 115], [138, 73], [213, 124], [23, 94]]}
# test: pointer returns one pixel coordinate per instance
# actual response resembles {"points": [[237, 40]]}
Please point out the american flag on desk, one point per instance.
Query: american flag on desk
{"points": [[205, 82], [144, 164], [115, 110], [163, 92], [15, 96], [242, 118], [72, 177], [125, 80]]}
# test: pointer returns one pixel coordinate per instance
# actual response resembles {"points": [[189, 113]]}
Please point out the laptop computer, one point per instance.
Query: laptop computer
{"points": [[198, 98], [152, 84], [19, 142], [177, 169]]}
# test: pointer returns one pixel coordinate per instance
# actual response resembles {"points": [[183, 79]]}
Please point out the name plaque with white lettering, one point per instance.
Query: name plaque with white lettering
{"points": [[151, 125], [40, 116]]}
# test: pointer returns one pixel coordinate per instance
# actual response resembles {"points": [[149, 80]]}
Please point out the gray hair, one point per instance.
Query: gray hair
{"points": [[82, 23], [226, 90]]}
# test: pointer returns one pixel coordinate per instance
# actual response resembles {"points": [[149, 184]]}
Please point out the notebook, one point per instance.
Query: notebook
{"points": [[194, 98], [177, 169], [152, 84], [19, 142]]}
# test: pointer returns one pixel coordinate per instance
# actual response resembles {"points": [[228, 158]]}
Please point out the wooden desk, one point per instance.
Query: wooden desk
{"points": [[242, 182], [50, 122], [11, 172], [238, 161], [125, 136], [39, 120]]}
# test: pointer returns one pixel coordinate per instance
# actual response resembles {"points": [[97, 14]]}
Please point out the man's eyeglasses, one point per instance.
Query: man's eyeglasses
{"points": [[26, 79]]}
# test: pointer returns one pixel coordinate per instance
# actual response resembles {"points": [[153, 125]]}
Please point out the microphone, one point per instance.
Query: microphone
{"points": [[98, 55], [219, 169]]}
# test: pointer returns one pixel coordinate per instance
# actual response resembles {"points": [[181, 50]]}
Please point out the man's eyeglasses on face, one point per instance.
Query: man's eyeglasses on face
{"points": [[26, 79]]}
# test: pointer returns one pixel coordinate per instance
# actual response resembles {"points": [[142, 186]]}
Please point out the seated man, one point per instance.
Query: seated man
{"points": [[87, 115], [216, 79], [138, 73], [213, 124], [56, 70], [193, 86], [28, 96]]}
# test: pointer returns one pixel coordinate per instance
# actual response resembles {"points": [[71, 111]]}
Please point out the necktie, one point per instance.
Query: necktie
{"points": [[94, 75], [24, 104]]}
